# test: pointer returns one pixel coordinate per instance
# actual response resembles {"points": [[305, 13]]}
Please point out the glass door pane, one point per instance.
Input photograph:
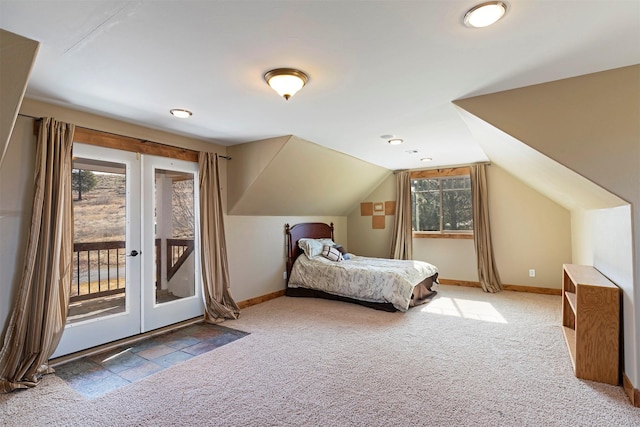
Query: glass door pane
{"points": [[174, 233], [170, 229], [105, 290], [99, 263]]}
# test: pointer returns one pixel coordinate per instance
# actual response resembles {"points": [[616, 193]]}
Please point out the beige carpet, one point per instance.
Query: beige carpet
{"points": [[465, 359]]}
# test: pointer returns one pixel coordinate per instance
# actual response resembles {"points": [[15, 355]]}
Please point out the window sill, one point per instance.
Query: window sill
{"points": [[426, 235]]}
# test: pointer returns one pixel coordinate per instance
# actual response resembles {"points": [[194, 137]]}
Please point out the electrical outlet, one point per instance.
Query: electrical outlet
{"points": [[532, 273], [284, 275]]}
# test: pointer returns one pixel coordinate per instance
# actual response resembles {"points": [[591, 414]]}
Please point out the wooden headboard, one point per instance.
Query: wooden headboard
{"points": [[311, 230]]}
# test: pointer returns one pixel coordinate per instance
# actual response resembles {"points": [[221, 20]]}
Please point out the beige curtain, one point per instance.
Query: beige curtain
{"points": [[40, 310], [402, 243], [487, 270], [215, 270]]}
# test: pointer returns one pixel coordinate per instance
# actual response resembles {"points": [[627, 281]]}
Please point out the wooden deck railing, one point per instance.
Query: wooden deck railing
{"points": [[99, 267], [178, 250]]}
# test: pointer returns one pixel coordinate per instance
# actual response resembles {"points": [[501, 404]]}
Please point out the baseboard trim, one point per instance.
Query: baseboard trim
{"points": [[513, 288], [632, 392], [533, 289], [464, 283], [259, 300]]}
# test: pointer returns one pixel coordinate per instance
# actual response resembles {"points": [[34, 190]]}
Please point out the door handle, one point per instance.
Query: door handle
{"points": [[134, 253]]}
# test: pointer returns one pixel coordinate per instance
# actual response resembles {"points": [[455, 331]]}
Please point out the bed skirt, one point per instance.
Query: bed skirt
{"points": [[422, 294]]}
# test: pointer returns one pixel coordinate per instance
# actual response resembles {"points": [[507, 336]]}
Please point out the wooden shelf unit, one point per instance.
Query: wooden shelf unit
{"points": [[591, 323]]}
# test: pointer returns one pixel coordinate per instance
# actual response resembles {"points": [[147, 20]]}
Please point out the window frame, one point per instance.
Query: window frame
{"points": [[442, 173]]}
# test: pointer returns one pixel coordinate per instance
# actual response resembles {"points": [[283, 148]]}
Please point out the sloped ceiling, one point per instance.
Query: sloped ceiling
{"points": [[385, 67], [20, 52], [574, 140], [290, 176], [550, 178]]}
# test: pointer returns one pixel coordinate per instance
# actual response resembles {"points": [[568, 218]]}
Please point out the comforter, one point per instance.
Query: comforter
{"points": [[364, 278]]}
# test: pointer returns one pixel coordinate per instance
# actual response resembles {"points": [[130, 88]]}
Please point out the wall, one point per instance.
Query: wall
{"points": [[255, 244], [17, 175], [16, 182], [16, 198], [256, 248], [251, 159], [591, 125], [528, 230], [300, 178], [605, 242], [20, 52], [363, 240]]}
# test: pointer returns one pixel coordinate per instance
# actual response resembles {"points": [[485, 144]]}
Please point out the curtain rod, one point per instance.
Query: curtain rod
{"points": [[111, 133], [29, 117], [488, 163]]}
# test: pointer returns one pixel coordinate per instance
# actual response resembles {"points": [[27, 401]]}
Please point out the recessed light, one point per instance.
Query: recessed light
{"points": [[426, 159], [395, 141], [485, 14], [181, 113]]}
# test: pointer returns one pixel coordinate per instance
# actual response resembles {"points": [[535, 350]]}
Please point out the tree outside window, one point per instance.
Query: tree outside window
{"points": [[82, 181], [442, 204]]}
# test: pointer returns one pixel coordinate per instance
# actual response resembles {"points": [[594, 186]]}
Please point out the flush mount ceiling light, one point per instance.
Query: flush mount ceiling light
{"points": [[181, 113], [426, 159], [395, 141], [286, 81], [485, 14]]}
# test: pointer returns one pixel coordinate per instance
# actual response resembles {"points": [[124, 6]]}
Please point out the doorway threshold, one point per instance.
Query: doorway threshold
{"points": [[125, 341], [97, 374]]}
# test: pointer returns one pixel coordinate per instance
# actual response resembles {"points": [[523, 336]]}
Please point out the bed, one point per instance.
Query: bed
{"points": [[383, 284]]}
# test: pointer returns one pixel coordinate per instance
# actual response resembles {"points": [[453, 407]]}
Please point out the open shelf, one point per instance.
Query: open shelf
{"points": [[570, 338], [572, 299], [591, 323]]}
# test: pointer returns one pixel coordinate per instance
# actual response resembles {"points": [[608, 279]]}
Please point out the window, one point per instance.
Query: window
{"points": [[441, 203]]}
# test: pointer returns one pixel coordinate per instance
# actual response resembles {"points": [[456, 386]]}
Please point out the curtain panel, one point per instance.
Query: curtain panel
{"points": [[487, 270], [40, 311], [219, 305], [402, 243]]}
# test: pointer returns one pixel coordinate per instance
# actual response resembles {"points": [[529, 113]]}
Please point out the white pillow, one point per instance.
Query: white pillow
{"points": [[326, 241], [331, 253], [311, 247]]}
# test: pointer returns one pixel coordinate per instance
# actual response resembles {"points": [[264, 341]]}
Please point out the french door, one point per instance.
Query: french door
{"points": [[170, 231], [136, 246]]}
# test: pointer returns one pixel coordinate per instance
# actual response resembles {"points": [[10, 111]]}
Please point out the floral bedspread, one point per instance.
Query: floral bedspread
{"points": [[364, 278]]}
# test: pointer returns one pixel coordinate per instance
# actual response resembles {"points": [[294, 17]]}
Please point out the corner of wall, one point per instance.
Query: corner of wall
{"points": [[249, 161], [17, 56], [363, 238]]}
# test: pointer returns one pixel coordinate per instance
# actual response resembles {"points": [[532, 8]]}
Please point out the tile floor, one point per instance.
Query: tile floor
{"points": [[94, 376]]}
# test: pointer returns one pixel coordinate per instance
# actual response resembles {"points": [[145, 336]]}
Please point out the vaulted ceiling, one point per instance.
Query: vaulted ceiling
{"points": [[376, 67]]}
